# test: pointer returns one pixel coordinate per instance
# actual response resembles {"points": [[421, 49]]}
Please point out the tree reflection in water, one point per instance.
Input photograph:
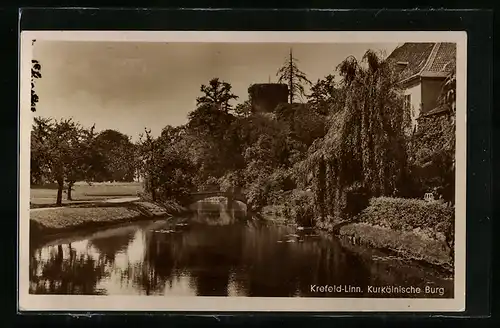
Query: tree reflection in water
{"points": [[217, 253], [66, 273], [110, 246], [246, 255]]}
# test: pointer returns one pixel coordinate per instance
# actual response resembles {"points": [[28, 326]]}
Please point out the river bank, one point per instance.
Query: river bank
{"points": [[46, 222], [415, 245], [180, 256], [409, 228]]}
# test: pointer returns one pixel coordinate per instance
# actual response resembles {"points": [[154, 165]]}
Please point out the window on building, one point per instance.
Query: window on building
{"points": [[408, 106], [407, 103]]}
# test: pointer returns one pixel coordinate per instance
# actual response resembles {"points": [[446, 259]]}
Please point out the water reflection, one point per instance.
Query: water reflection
{"points": [[66, 269], [216, 252]]}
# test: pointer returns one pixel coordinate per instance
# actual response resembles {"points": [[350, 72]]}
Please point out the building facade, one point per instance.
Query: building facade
{"points": [[422, 69]]}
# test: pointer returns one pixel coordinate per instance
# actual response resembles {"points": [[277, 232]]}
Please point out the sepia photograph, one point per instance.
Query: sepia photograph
{"points": [[245, 171]]}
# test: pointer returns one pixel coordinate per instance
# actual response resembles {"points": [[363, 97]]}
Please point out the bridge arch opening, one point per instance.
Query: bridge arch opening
{"points": [[230, 196]]}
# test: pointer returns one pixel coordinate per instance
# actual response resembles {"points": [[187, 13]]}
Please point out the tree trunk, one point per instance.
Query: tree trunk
{"points": [[71, 254], [60, 185], [320, 190], [60, 256], [153, 190], [70, 188]]}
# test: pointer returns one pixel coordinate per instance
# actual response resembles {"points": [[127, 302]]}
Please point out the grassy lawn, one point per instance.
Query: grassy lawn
{"points": [[74, 216], [65, 219], [46, 195]]}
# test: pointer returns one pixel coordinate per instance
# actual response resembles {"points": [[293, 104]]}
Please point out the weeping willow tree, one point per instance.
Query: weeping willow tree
{"points": [[364, 151]]}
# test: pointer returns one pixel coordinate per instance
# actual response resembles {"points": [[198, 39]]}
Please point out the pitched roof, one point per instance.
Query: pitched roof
{"points": [[424, 59], [414, 54], [445, 59], [436, 111]]}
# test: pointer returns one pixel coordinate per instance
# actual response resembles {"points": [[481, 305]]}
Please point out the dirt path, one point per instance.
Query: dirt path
{"points": [[112, 200]]}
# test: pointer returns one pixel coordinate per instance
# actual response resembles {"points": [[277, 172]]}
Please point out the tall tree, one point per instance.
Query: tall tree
{"points": [[210, 150], [365, 147], [173, 134], [209, 122], [83, 167], [303, 124], [375, 122], [166, 164], [218, 94], [35, 74], [432, 150], [117, 155], [40, 168], [294, 77], [325, 94], [61, 143], [149, 157], [244, 109]]}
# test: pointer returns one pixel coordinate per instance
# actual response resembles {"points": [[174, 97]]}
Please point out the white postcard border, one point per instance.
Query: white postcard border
{"points": [[28, 302]]}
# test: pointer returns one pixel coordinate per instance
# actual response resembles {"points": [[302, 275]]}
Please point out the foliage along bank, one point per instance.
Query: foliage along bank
{"points": [[412, 228], [64, 151], [346, 143], [370, 151], [319, 161]]}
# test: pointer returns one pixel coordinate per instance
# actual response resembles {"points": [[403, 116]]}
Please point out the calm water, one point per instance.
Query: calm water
{"points": [[216, 252]]}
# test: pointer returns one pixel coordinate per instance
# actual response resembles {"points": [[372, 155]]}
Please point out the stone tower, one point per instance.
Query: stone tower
{"points": [[264, 97]]}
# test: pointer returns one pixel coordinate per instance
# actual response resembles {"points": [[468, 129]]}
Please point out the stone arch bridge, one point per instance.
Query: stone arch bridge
{"points": [[230, 195]]}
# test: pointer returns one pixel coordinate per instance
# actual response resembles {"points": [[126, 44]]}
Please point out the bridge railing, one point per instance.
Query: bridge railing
{"points": [[199, 195]]}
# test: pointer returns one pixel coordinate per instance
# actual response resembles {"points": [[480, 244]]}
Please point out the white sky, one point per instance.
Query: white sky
{"points": [[128, 86]]}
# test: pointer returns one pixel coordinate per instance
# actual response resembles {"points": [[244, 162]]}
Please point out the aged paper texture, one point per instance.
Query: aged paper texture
{"points": [[242, 171]]}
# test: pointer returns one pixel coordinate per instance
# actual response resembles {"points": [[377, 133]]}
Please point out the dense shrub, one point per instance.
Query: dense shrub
{"points": [[341, 205], [407, 244], [302, 211], [432, 154], [281, 180], [408, 214], [357, 199], [293, 206], [230, 181], [270, 189], [298, 206], [210, 184], [258, 194]]}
